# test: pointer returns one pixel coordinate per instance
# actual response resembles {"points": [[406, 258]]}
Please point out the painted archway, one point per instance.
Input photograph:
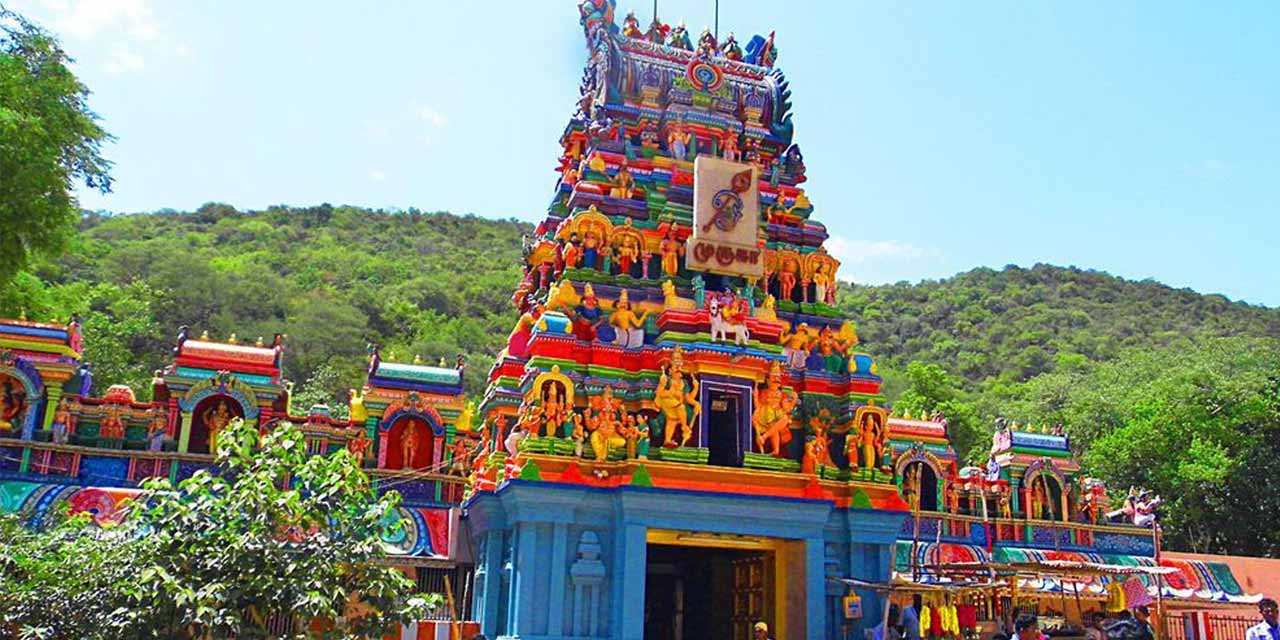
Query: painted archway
{"points": [[1042, 486], [211, 414], [20, 396], [411, 435]]}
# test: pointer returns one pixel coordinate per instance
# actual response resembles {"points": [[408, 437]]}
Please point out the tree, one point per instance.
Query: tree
{"points": [[49, 141], [274, 532], [270, 533]]}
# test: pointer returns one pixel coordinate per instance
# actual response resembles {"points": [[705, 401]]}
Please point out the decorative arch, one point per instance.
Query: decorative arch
{"points": [[19, 369], [410, 416], [554, 376], [583, 221], [918, 454], [1055, 492], [224, 383]]}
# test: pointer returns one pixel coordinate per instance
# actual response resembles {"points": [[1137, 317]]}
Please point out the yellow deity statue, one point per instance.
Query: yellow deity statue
{"points": [[679, 406], [772, 416]]}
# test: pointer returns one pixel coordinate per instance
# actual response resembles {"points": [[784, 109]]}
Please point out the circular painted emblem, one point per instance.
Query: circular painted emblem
{"points": [[703, 75]]}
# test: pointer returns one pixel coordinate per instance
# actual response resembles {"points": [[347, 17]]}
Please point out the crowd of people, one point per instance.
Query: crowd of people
{"points": [[1128, 624]]}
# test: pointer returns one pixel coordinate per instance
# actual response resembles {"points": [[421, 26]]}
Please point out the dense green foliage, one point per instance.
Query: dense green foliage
{"points": [[331, 278], [274, 533], [49, 141], [1157, 386]]}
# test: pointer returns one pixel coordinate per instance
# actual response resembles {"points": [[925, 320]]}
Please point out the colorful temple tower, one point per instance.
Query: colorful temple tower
{"points": [[680, 395]]}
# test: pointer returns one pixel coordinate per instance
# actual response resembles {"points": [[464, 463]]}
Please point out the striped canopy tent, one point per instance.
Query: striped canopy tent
{"points": [[1073, 572], [1186, 580]]}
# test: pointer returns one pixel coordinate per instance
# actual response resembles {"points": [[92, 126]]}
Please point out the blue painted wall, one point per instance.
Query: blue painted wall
{"points": [[559, 561]]}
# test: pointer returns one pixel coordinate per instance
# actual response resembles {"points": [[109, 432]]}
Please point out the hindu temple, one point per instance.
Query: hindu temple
{"points": [[681, 438]]}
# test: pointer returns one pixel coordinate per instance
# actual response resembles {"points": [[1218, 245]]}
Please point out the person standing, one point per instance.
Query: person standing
{"points": [[1142, 616], [1268, 629], [1094, 630], [911, 618], [1026, 627], [760, 631]]}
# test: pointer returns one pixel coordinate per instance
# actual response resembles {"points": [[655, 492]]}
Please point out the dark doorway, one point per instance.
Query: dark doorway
{"points": [[928, 485], [702, 592], [724, 437]]}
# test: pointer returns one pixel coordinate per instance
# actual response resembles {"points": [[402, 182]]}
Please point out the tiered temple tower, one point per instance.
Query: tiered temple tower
{"points": [[680, 379]]}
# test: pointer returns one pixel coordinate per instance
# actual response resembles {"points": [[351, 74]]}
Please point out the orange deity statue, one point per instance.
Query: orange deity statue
{"points": [[679, 405], [772, 416]]}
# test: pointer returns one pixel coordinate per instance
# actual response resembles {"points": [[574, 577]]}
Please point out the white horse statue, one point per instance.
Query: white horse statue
{"points": [[728, 316]]}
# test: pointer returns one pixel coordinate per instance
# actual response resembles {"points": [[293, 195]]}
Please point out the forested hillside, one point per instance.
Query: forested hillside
{"points": [[1158, 386]]}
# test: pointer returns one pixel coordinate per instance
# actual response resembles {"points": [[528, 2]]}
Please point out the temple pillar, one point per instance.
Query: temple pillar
{"points": [[184, 431], [489, 581], [50, 408], [524, 579], [815, 590], [630, 557], [559, 571]]}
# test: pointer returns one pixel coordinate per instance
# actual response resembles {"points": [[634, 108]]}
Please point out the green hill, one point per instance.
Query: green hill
{"points": [[989, 327], [1158, 386]]}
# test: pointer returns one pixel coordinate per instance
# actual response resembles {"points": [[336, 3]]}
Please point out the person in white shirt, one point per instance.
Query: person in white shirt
{"points": [[1268, 629]]}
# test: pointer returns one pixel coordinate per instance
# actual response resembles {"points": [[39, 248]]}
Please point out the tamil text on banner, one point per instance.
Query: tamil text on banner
{"points": [[726, 219]]}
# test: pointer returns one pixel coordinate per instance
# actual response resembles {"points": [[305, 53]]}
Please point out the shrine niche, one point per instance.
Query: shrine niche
{"points": [[15, 405], [411, 436], [211, 416], [1042, 491]]}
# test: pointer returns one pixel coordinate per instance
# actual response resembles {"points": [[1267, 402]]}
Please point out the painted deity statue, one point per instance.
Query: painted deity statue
{"points": [[627, 249], [12, 403], [772, 416], [460, 456], [359, 414], [605, 423], [587, 316], [622, 183], [571, 253], [216, 418], [729, 148], [409, 444], [678, 142], [591, 250], [871, 437], [824, 284], [680, 38], [796, 344], [358, 445], [62, 422], [631, 26], [788, 274], [553, 413], [157, 429], [671, 249], [730, 48], [518, 341], [679, 405], [817, 450], [707, 43], [627, 325]]}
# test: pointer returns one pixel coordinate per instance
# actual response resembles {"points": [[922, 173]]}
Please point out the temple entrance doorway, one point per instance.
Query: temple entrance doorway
{"points": [[707, 586], [726, 419], [723, 437]]}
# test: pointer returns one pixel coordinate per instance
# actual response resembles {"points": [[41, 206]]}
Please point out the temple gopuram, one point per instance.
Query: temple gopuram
{"points": [[681, 438]]}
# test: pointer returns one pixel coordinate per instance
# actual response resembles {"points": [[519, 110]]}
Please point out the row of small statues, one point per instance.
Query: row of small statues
{"points": [[759, 51]]}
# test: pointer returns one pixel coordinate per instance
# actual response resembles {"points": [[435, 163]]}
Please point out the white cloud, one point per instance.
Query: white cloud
{"points": [[85, 18], [432, 117], [377, 175], [851, 252], [123, 60]]}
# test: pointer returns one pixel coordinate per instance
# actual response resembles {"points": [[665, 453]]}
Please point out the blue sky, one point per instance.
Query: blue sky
{"points": [[1138, 138]]}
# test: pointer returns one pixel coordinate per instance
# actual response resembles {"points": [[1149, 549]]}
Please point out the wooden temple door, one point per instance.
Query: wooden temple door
{"points": [[750, 591]]}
